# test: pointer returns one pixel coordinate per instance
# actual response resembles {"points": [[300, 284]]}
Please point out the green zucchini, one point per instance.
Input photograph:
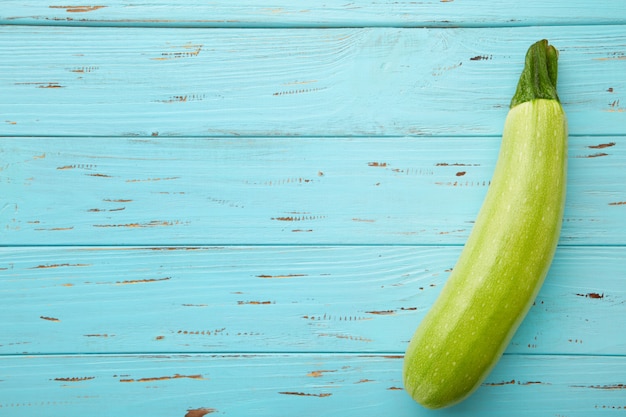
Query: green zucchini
{"points": [[509, 251]]}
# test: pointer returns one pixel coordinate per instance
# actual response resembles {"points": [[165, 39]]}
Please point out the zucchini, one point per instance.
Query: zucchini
{"points": [[509, 251]]}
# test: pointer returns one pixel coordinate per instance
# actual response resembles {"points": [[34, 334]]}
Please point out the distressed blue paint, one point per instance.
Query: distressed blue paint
{"points": [[300, 82], [190, 191], [332, 13], [280, 299], [228, 208], [306, 385]]}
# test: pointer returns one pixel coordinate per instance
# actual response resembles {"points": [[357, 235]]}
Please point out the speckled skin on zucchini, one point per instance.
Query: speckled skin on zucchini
{"points": [[508, 253]]}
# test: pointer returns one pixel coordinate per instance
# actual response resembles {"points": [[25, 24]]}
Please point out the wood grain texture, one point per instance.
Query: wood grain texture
{"points": [[333, 13], [305, 385], [191, 191], [304, 82], [227, 208], [280, 299]]}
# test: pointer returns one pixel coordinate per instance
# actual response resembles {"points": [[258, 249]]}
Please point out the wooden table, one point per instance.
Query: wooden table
{"points": [[239, 209]]}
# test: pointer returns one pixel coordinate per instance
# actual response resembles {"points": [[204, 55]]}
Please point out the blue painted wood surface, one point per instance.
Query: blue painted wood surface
{"points": [[227, 208]]}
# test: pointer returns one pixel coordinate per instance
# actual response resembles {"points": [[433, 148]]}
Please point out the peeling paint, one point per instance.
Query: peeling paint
{"points": [[297, 218], [591, 295], [255, 302], [119, 200], [189, 50], [281, 276], [595, 155], [153, 179], [602, 145], [382, 312], [305, 394], [491, 384], [347, 337], [215, 332], [464, 184], [84, 70], [78, 9], [75, 379], [319, 373], [299, 91], [199, 412], [142, 281], [43, 84], [154, 223], [59, 266], [163, 378], [603, 387], [481, 58], [54, 229], [455, 164]]}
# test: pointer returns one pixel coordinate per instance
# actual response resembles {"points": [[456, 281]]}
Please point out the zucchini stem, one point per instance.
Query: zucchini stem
{"points": [[539, 76]]}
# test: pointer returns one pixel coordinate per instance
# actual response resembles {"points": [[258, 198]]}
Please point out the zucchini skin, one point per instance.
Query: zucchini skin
{"points": [[503, 263]]}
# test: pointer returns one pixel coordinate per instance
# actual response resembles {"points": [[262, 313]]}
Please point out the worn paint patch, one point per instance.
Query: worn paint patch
{"points": [[464, 183], [305, 394], [188, 50], [75, 379], [84, 70], [255, 302], [594, 155], [602, 145], [54, 229], [481, 58], [199, 412], [203, 332], [142, 281], [154, 223], [319, 373], [43, 84], [298, 91], [591, 295], [347, 337], [281, 276], [163, 378], [326, 317], [78, 9], [297, 218], [491, 384], [59, 266], [356, 219], [183, 98], [382, 312], [455, 164], [603, 387], [153, 179], [49, 318]]}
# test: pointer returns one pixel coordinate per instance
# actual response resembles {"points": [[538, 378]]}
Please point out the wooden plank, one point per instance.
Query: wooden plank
{"points": [[191, 191], [305, 385], [88, 81], [280, 299], [333, 13]]}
